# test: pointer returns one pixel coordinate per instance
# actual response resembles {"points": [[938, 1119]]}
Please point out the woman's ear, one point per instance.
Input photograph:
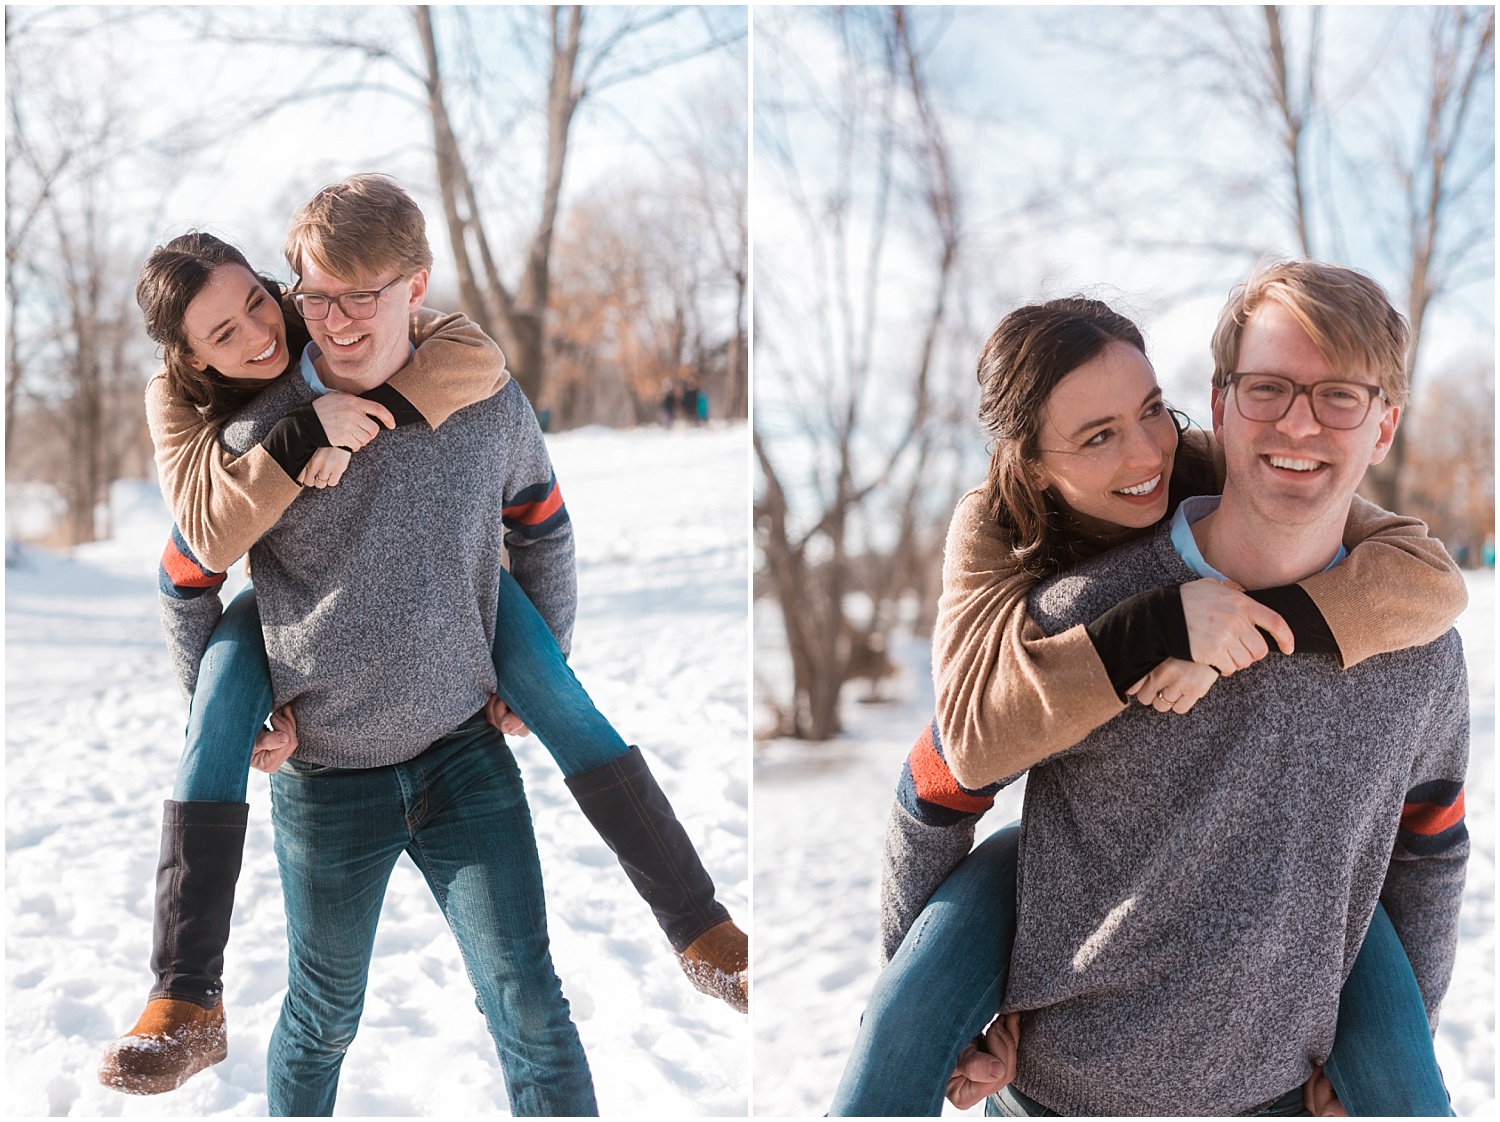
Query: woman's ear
{"points": [[195, 362]]}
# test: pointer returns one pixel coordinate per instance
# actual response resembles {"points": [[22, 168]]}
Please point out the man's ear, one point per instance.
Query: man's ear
{"points": [[1217, 400], [418, 290], [1388, 424]]}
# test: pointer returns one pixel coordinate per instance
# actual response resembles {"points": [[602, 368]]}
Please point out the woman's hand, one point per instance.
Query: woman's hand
{"points": [[499, 715], [325, 469], [1222, 622], [983, 1071], [274, 745], [1174, 686], [350, 421]]}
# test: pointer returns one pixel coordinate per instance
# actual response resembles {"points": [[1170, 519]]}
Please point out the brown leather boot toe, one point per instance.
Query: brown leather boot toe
{"points": [[718, 963], [172, 1041]]}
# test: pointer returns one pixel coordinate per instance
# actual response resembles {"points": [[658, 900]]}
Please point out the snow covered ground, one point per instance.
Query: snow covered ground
{"points": [[93, 729], [820, 813]]}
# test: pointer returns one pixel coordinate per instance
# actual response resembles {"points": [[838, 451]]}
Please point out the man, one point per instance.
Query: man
{"points": [[1195, 888]]}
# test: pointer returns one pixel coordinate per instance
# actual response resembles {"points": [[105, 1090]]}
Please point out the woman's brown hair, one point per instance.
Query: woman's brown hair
{"points": [[1032, 350], [169, 280]]}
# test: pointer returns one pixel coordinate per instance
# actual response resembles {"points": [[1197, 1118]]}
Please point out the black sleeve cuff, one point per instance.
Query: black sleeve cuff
{"points": [[1309, 628], [293, 439], [1138, 633], [393, 399]]}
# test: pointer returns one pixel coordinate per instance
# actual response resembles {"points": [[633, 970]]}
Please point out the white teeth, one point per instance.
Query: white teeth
{"points": [[1142, 488], [1293, 465], [265, 354], [348, 341]]}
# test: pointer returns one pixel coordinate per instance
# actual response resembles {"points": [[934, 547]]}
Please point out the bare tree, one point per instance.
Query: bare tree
{"points": [[583, 53], [882, 167], [1385, 164], [75, 359]]}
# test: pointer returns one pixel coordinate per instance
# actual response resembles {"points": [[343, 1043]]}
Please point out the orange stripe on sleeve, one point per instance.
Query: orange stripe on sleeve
{"points": [[1429, 819]]}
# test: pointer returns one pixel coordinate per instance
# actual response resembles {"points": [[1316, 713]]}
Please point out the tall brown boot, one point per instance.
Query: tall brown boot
{"points": [[631, 812], [181, 1031]]}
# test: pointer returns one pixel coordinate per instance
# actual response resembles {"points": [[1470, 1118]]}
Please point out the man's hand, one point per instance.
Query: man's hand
{"points": [[1319, 1097], [325, 469], [1222, 623], [274, 745], [350, 421], [499, 715], [1174, 686], [983, 1071]]}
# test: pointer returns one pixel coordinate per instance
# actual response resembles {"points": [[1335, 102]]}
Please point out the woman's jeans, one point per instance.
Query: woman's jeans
{"points": [[946, 982], [233, 698], [459, 811]]}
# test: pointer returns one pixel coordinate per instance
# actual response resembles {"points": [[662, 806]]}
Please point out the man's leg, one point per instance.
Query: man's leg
{"points": [[338, 835], [473, 842], [940, 990]]}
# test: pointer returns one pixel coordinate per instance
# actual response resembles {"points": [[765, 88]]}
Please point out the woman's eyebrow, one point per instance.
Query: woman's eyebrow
{"points": [[1155, 393]]}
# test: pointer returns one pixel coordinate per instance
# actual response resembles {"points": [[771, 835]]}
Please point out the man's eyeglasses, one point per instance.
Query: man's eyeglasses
{"points": [[1335, 405], [355, 305]]}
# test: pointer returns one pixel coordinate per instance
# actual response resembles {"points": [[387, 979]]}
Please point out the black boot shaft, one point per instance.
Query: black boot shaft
{"points": [[202, 845]]}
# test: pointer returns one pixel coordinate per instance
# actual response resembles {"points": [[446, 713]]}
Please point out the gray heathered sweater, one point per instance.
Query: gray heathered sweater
{"points": [[377, 597], [1194, 888]]}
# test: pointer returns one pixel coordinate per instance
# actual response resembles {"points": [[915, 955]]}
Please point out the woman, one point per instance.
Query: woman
{"points": [[225, 333], [1064, 486]]}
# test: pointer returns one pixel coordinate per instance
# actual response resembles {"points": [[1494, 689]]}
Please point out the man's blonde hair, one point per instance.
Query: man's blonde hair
{"points": [[1346, 314], [359, 227]]}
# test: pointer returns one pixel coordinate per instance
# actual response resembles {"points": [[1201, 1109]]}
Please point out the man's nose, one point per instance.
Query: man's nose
{"points": [[1299, 420]]}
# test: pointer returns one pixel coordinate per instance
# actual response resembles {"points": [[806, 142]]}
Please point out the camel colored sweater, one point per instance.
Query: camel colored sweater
{"points": [[223, 503], [1009, 696]]}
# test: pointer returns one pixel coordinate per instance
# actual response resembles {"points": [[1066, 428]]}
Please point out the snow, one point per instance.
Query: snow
{"points": [[820, 814], [94, 727]]}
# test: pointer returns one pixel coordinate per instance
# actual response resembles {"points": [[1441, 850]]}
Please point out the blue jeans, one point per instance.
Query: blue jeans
{"points": [[459, 811], [233, 698], [947, 980]]}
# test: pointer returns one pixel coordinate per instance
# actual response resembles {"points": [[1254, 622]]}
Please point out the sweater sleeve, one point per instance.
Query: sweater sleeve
{"points": [[538, 532], [1397, 588], [917, 858], [1425, 881], [1008, 696], [456, 364], [190, 608], [222, 503]]}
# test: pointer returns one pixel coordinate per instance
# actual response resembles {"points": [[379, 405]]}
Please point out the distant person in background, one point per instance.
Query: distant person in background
{"points": [[667, 411], [690, 397]]}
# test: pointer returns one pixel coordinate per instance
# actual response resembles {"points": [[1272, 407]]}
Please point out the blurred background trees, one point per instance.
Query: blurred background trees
{"points": [[919, 172], [582, 168]]}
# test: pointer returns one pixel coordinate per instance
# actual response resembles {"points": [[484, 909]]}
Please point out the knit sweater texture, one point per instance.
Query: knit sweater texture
{"points": [[1030, 695], [377, 597], [1193, 889], [222, 502]]}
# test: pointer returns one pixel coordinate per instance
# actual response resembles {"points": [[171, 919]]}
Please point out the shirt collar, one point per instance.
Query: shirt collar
{"points": [[1190, 510]]}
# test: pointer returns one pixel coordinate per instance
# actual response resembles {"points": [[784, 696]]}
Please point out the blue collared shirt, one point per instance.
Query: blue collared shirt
{"points": [[310, 354], [1189, 511]]}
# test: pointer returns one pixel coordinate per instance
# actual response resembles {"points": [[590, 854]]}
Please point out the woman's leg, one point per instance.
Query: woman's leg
{"points": [[537, 683], [1382, 1061], [938, 992], [181, 1030], [620, 797], [230, 705]]}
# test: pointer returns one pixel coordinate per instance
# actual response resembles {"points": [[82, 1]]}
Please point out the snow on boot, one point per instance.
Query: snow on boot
{"points": [[172, 1041], [181, 1031], [631, 812], [718, 963]]}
